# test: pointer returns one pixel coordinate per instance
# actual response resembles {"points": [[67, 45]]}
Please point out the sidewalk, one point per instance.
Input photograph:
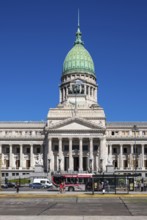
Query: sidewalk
{"points": [[53, 194]]}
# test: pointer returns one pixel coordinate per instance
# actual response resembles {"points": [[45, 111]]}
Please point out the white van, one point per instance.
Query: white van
{"points": [[44, 181]]}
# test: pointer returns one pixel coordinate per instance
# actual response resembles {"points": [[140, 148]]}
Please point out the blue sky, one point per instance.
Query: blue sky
{"points": [[36, 35]]}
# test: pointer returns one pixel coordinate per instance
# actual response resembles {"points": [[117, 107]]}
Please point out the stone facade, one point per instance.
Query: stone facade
{"points": [[76, 136]]}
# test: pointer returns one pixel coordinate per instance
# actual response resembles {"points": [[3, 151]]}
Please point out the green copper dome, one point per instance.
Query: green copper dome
{"points": [[78, 58]]}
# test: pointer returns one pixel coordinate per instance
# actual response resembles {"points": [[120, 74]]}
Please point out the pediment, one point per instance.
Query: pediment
{"points": [[75, 124]]}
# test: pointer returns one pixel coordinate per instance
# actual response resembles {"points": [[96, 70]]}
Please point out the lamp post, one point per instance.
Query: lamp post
{"points": [[135, 129], [90, 165], [59, 164], [49, 160]]}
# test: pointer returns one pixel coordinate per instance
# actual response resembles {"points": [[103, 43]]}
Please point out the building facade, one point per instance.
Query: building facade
{"points": [[76, 136]]}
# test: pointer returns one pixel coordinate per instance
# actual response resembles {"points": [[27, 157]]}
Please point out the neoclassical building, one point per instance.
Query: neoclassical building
{"points": [[76, 136]]}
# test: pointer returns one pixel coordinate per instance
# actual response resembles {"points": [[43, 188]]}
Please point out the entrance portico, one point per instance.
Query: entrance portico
{"points": [[73, 154]]}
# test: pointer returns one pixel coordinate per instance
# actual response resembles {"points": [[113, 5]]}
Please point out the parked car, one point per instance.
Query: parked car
{"points": [[36, 185], [8, 185], [46, 183]]}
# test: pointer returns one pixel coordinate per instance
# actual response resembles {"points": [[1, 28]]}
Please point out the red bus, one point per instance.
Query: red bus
{"points": [[73, 182]]}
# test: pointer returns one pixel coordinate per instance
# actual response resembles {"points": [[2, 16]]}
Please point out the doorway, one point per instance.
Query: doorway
{"points": [[76, 163], [85, 165]]}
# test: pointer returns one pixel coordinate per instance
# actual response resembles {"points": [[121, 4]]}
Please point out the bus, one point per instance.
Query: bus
{"points": [[73, 182]]}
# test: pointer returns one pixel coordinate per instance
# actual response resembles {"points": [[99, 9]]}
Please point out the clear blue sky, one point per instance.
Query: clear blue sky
{"points": [[35, 36]]}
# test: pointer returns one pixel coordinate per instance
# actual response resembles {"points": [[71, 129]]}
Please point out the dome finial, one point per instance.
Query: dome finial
{"points": [[78, 33]]}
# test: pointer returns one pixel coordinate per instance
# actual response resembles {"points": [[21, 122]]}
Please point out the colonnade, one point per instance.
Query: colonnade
{"points": [[135, 157], [12, 156], [96, 159], [87, 90]]}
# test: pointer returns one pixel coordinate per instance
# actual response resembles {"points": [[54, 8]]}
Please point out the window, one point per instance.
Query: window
{"points": [[17, 150], [114, 150], [112, 133], [28, 150], [85, 147], [95, 147], [125, 150], [136, 150], [75, 147], [7, 150], [66, 148], [56, 148], [38, 150], [115, 163], [145, 150], [125, 164]]}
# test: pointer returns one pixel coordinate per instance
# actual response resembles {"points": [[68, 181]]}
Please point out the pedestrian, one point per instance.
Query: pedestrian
{"points": [[61, 187], [17, 188], [142, 187]]}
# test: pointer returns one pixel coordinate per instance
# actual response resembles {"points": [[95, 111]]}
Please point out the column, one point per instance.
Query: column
{"points": [[0, 148], [31, 157], [110, 154], [84, 89], [10, 157], [91, 153], [61, 157], [88, 91], [70, 155], [103, 153], [142, 149], [131, 158], [121, 157], [50, 156], [21, 156], [81, 155]]}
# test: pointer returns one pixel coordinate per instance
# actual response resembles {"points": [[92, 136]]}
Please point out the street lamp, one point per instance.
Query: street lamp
{"points": [[135, 129], [59, 164], [49, 160], [90, 165]]}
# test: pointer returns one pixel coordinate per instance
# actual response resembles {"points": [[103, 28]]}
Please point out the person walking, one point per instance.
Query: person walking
{"points": [[17, 187]]}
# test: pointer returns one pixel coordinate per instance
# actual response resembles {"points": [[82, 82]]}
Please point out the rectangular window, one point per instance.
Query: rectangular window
{"points": [[115, 163], [125, 150], [95, 147], [145, 150], [38, 150], [7, 150], [145, 163], [136, 150], [125, 164], [114, 150], [75, 147], [17, 150], [27, 164], [66, 148], [28, 150], [56, 148], [85, 147]]}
